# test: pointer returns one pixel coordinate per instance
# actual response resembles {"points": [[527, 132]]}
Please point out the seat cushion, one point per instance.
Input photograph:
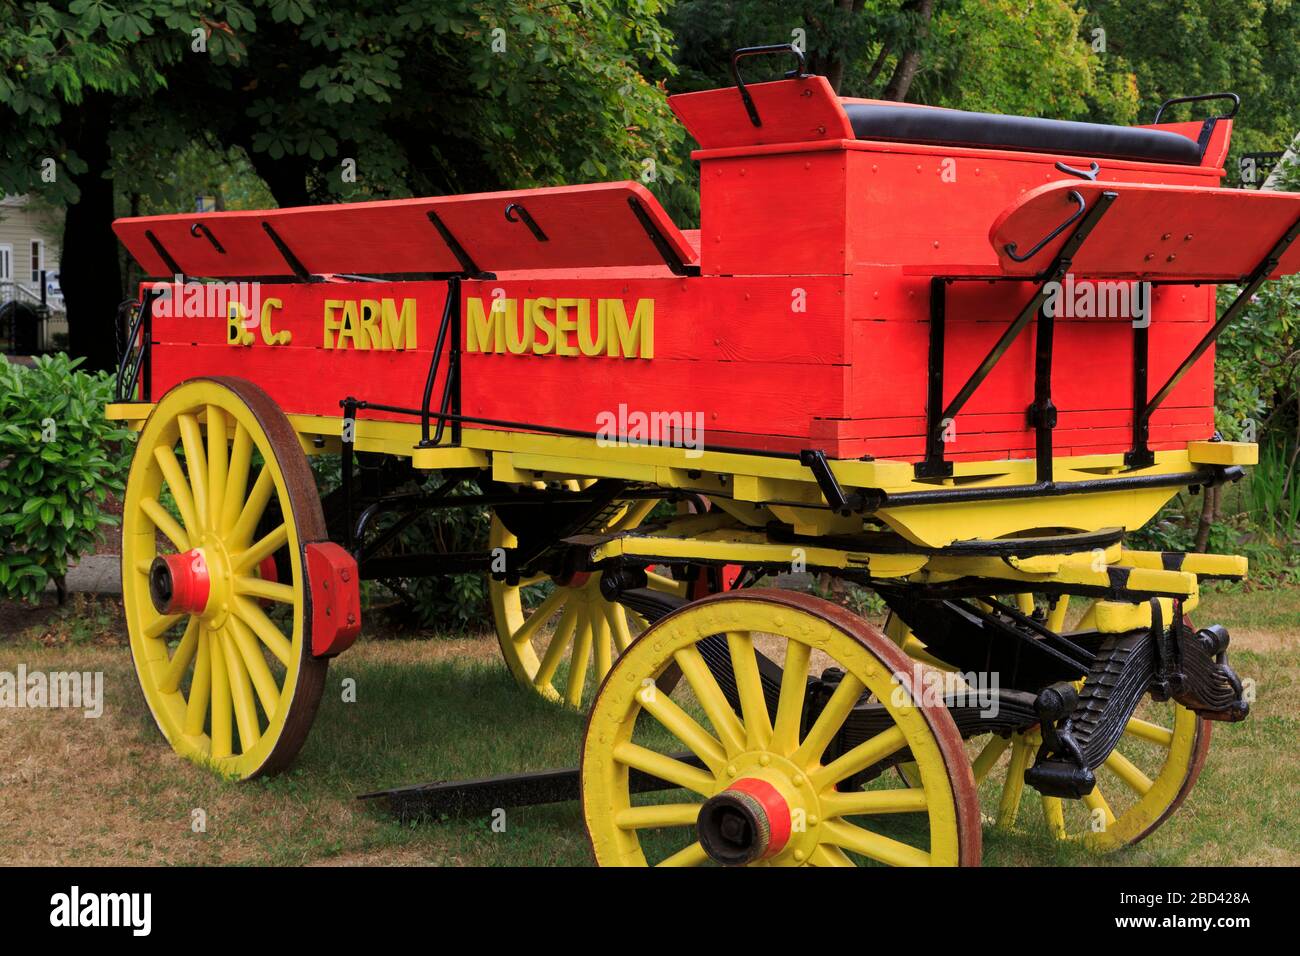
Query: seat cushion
{"points": [[943, 127]]}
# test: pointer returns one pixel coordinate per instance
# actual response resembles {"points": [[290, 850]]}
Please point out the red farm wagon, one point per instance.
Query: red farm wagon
{"points": [[951, 357]]}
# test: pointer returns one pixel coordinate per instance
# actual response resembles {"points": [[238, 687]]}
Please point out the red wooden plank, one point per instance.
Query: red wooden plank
{"points": [[1153, 232], [585, 227]]}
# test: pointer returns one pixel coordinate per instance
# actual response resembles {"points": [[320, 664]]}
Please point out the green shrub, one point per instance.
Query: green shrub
{"points": [[59, 459]]}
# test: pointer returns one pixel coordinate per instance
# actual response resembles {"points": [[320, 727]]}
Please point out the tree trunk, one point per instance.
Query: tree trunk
{"points": [[88, 267], [910, 61], [1209, 513]]}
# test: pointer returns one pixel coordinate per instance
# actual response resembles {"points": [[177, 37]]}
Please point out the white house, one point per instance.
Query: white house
{"points": [[29, 245]]}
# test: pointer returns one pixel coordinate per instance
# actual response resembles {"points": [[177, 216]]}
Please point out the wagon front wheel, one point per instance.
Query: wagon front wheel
{"points": [[756, 756], [221, 646]]}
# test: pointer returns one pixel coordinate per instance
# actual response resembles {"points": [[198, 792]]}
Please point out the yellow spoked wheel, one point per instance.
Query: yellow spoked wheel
{"points": [[567, 641], [1143, 781], [221, 645], [752, 787]]}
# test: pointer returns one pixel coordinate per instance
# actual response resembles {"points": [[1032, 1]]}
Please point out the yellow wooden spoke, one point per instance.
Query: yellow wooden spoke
{"points": [[159, 625], [692, 855], [1054, 814], [1014, 787], [601, 641], [217, 462], [578, 662], [196, 465], [271, 590], [264, 628], [664, 767], [241, 694], [1094, 801], [560, 639], [861, 757], [1128, 772], [988, 757], [658, 815], [196, 707], [901, 800], [222, 728], [684, 727], [179, 487], [829, 721], [180, 662], [749, 686], [165, 523], [540, 615], [232, 499], [725, 722], [253, 509], [268, 690], [789, 708], [1153, 733], [262, 549], [617, 617], [827, 855], [881, 848]]}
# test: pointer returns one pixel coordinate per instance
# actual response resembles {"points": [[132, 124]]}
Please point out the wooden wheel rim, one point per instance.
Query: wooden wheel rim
{"points": [[777, 752], [589, 630], [227, 711]]}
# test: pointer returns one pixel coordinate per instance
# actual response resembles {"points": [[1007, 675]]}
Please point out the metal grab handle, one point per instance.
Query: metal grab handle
{"points": [[1236, 104], [516, 212], [1010, 247], [761, 51], [1089, 174], [198, 228]]}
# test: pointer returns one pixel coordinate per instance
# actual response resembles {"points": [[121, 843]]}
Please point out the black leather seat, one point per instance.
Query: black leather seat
{"points": [[941, 127]]}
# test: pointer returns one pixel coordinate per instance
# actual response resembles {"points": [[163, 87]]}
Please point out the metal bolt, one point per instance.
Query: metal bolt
{"points": [[765, 759]]}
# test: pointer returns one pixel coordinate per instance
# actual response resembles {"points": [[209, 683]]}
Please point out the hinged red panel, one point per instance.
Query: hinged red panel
{"points": [[1153, 232], [583, 227], [335, 598], [792, 111]]}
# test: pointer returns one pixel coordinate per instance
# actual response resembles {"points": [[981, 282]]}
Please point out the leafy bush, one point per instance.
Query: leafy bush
{"points": [[59, 459]]}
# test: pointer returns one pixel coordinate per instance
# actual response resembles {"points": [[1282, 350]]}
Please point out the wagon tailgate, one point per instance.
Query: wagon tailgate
{"points": [[1153, 232], [580, 227]]}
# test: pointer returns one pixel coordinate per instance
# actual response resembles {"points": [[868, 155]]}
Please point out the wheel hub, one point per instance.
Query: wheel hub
{"points": [[179, 583], [766, 815]]}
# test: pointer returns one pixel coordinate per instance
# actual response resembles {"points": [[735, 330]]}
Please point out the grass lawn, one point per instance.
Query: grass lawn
{"points": [[108, 791]]}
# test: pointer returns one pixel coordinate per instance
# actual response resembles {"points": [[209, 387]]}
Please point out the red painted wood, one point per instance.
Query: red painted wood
{"points": [[804, 110], [586, 227], [1155, 232]]}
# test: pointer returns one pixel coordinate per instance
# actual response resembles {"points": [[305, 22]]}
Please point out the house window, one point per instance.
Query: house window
{"points": [[6, 263], [38, 260]]}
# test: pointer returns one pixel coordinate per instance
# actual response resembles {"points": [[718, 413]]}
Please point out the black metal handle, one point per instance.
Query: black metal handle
{"points": [[1089, 174], [762, 51], [1010, 247], [516, 212], [198, 228], [1236, 103]]}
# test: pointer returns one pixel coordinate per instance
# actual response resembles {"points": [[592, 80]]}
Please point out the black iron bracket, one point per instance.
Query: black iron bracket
{"points": [[292, 261], [1010, 247], [937, 414], [1140, 456], [671, 258], [467, 263], [815, 461], [134, 355], [449, 326], [740, 54], [163, 254]]}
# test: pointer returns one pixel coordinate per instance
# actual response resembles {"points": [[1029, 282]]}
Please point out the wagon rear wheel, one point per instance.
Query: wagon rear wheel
{"points": [[221, 642], [757, 782], [560, 637]]}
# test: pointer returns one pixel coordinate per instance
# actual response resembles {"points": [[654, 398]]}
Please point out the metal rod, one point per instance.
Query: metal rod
{"points": [[450, 306], [1042, 414], [466, 261], [287, 255]]}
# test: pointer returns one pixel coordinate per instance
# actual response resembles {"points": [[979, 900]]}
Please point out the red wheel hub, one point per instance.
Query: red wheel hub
{"points": [[179, 583], [748, 821]]}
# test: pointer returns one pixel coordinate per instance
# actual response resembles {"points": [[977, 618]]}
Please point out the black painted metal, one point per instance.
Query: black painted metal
{"points": [[200, 228], [1010, 247], [292, 261], [515, 212], [467, 263], [1042, 414], [166, 257], [671, 259], [738, 55], [450, 317]]}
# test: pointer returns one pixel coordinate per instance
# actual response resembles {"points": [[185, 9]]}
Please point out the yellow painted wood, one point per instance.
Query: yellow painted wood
{"points": [[1223, 453]]}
